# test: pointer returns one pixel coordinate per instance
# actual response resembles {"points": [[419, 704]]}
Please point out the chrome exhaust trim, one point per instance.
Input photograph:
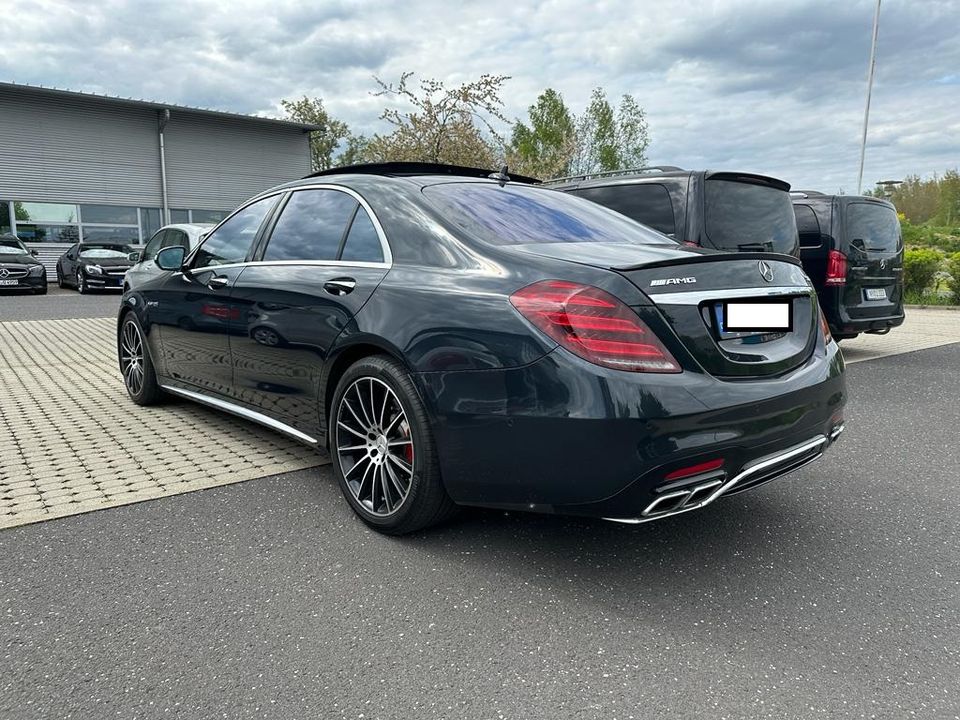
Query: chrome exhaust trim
{"points": [[835, 433], [816, 445]]}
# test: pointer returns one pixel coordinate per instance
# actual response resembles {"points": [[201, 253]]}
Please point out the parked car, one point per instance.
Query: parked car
{"points": [[852, 249], [19, 267], [459, 339], [183, 235], [91, 266], [721, 210]]}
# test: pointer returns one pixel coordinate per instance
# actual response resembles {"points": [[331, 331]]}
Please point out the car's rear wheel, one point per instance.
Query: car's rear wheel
{"points": [[139, 377], [383, 451]]}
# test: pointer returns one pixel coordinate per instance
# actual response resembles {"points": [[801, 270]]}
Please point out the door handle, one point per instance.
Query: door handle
{"points": [[340, 286], [218, 281]]}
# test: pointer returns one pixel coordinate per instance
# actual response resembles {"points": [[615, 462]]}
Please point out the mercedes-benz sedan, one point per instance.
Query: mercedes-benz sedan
{"points": [[457, 339]]}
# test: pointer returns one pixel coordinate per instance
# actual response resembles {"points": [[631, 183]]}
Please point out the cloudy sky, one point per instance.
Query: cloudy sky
{"points": [[754, 85]]}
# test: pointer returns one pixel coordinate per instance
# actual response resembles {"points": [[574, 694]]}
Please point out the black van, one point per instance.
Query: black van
{"points": [[722, 210], [851, 248]]}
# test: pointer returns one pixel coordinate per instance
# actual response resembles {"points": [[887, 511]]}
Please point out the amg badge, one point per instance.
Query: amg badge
{"points": [[673, 281]]}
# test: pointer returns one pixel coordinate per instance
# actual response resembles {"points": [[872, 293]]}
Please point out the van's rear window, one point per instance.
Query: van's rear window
{"points": [[875, 225], [746, 216], [522, 214]]}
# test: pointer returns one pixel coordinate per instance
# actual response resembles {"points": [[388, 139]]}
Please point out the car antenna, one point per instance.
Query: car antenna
{"points": [[500, 176]]}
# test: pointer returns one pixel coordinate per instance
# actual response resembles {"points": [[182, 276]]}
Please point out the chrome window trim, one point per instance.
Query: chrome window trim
{"points": [[241, 411], [384, 243], [695, 297], [301, 263]]}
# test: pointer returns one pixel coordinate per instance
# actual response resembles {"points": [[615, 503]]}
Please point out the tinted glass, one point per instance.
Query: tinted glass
{"points": [[521, 214], [117, 234], [807, 226], [5, 225], [876, 226], [647, 204], [363, 243], [176, 238], [231, 242], [743, 216], [48, 233], [311, 226], [108, 214], [153, 245], [10, 245], [203, 216]]}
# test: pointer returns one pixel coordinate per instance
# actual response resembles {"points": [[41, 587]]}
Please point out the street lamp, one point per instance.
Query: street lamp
{"points": [[866, 112]]}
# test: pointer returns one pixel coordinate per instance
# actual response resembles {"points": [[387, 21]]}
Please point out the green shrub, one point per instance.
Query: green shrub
{"points": [[953, 267], [919, 267]]}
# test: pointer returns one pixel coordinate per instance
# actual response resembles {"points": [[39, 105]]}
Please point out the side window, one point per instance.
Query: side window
{"points": [[231, 242], [176, 238], [807, 226], [648, 204], [311, 226], [154, 244], [363, 243]]}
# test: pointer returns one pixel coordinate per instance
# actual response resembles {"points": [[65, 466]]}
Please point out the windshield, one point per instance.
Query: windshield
{"points": [[12, 246], [105, 252], [743, 216], [521, 214], [871, 226]]}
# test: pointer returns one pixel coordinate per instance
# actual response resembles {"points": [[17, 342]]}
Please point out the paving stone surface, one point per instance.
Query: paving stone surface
{"points": [[71, 441]]}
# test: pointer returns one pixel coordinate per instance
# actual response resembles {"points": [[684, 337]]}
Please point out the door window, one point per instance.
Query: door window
{"points": [[807, 226], [363, 242], [311, 226], [176, 238], [647, 204], [231, 242], [154, 245]]}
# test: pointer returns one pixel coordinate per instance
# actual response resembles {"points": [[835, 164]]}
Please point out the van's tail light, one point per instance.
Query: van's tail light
{"points": [[824, 326], [593, 324], [836, 268]]}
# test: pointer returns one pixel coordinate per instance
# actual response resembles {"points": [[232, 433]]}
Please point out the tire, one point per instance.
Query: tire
{"points": [[81, 285], [142, 387], [41, 291], [386, 449], [60, 283]]}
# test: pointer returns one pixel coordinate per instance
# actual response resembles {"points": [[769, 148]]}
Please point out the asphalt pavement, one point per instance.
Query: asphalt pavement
{"points": [[57, 304], [832, 593]]}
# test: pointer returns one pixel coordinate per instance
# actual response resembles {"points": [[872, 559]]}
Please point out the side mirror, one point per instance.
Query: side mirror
{"points": [[34, 253], [170, 258], [134, 257]]}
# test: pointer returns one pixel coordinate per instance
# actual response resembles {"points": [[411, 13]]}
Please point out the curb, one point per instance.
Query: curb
{"points": [[932, 307]]}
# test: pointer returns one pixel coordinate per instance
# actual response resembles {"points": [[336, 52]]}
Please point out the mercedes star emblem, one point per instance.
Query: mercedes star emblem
{"points": [[4, 272], [765, 270]]}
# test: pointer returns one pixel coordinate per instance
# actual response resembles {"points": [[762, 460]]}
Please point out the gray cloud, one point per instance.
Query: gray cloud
{"points": [[747, 84]]}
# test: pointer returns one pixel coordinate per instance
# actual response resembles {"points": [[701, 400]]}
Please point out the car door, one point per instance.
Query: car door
{"points": [[323, 258], [145, 268], [192, 309]]}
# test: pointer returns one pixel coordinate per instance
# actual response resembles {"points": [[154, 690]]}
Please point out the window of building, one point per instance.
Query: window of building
{"points": [[179, 216], [232, 241], [363, 242], [46, 212], [207, 216], [5, 226], [311, 226], [108, 214], [103, 233], [33, 232]]}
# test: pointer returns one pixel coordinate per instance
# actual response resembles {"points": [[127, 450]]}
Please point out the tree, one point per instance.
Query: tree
{"points": [[323, 142], [446, 125], [546, 148], [609, 139], [355, 151]]}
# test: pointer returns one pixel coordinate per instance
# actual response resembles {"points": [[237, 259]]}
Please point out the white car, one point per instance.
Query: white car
{"points": [[183, 235]]}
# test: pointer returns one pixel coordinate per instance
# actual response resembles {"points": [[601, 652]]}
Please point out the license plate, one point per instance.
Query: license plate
{"points": [[876, 294], [757, 316], [9, 282]]}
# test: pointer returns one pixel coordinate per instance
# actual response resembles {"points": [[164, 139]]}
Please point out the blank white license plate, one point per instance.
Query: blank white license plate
{"points": [[757, 316], [876, 294], [9, 282]]}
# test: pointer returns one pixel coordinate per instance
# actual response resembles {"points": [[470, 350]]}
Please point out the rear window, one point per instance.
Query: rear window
{"points": [[521, 215], [647, 204], [873, 227], [743, 216]]}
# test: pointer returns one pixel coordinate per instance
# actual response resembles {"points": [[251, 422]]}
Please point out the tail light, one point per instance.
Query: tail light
{"points": [[692, 470], [824, 326], [836, 268], [594, 325]]}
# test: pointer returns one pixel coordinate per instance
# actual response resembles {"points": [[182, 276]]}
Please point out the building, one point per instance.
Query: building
{"points": [[78, 166]]}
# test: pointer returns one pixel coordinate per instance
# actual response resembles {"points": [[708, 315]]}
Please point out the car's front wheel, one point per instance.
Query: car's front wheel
{"points": [[139, 377], [383, 450], [60, 283], [82, 286]]}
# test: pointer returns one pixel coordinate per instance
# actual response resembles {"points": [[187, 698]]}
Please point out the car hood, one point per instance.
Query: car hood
{"points": [[612, 255], [18, 259], [107, 262]]}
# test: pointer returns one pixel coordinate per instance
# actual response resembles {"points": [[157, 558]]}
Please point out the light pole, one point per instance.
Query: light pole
{"points": [[866, 112]]}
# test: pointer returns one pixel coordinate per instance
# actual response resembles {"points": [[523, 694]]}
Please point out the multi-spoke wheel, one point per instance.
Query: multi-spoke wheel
{"points": [[135, 364], [81, 283], [383, 450]]}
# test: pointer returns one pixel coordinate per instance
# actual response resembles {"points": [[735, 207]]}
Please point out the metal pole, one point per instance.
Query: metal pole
{"points": [[164, 119], [866, 112]]}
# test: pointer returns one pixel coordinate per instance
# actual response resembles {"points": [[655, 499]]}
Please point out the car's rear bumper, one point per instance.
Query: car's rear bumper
{"points": [[561, 435]]}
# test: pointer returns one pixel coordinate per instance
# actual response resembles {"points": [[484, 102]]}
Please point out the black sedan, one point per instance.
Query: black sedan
{"points": [[458, 339], [95, 266], [19, 267]]}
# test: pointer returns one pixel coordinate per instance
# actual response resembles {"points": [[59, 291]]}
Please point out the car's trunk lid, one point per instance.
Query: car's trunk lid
{"points": [[874, 285]]}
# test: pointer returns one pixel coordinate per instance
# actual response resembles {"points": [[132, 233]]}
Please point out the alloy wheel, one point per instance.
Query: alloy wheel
{"points": [[374, 446], [80, 284], [131, 358]]}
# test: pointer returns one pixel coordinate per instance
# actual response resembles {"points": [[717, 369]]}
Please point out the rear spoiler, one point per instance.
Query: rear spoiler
{"points": [[711, 257], [749, 178]]}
